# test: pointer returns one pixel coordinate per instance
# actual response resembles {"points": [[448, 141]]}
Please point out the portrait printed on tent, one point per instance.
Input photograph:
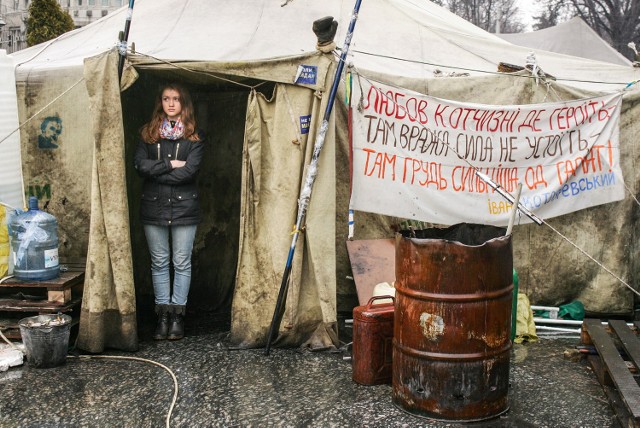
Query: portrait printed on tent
{"points": [[50, 130]]}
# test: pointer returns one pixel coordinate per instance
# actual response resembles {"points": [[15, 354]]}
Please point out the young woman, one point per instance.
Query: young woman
{"points": [[168, 157]]}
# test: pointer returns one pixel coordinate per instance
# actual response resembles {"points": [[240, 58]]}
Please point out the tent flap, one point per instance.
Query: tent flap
{"points": [[278, 147], [108, 316]]}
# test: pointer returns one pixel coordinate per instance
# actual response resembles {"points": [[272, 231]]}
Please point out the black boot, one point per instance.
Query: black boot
{"points": [[176, 327], [162, 327]]}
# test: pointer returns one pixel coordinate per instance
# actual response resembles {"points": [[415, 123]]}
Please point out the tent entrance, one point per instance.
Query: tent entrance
{"points": [[220, 110]]}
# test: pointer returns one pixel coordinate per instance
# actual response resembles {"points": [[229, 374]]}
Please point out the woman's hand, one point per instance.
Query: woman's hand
{"points": [[177, 163]]}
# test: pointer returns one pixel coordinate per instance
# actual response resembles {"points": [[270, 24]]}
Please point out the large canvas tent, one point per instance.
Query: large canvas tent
{"points": [[573, 37], [242, 61]]}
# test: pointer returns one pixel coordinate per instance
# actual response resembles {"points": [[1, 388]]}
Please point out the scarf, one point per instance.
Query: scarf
{"points": [[169, 131]]}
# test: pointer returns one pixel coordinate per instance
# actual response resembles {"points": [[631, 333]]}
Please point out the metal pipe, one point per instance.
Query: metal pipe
{"points": [[571, 330], [495, 186], [568, 322], [556, 321], [307, 187], [123, 38], [544, 308], [512, 218]]}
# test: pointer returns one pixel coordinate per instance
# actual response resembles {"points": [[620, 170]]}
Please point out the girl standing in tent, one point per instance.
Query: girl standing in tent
{"points": [[168, 156]]}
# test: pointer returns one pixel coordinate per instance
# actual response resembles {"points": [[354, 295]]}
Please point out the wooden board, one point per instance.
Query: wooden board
{"points": [[65, 281], [612, 370], [614, 398], [26, 298], [11, 328], [40, 306], [372, 261]]}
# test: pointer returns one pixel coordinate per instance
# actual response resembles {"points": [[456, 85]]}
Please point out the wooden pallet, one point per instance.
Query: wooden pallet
{"points": [[58, 292], [11, 329], [19, 299], [614, 371]]}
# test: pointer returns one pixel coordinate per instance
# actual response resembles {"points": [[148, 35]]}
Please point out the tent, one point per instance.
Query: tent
{"points": [[243, 63], [573, 37]]}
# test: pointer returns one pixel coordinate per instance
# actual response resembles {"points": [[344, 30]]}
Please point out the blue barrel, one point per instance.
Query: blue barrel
{"points": [[34, 242]]}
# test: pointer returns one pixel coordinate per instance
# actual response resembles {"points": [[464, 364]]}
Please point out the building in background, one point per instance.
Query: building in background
{"points": [[14, 15], [84, 12], [13, 24]]}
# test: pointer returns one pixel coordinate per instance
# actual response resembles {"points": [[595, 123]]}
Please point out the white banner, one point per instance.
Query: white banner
{"points": [[415, 156]]}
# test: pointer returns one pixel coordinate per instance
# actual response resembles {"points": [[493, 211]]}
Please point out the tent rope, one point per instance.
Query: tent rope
{"points": [[190, 70], [24, 202], [592, 258], [495, 73], [46, 45], [41, 110], [631, 193], [391, 100], [292, 116]]}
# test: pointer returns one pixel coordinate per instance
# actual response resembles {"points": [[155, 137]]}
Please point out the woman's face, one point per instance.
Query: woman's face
{"points": [[171, 104]]}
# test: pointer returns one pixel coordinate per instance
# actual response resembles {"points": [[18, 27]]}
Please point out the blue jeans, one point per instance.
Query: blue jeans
{"points": [[182, 238]]}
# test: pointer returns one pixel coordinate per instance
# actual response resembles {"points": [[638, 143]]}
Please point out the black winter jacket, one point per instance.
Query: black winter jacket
{"points": [[169, 195]]}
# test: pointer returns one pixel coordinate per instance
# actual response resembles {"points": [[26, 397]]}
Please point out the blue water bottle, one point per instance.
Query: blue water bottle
{"points": [[34, 241]]}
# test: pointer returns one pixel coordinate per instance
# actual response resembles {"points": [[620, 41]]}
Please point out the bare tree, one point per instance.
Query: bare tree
{"points": [[616, 21], [490, 15], [553, 13]]}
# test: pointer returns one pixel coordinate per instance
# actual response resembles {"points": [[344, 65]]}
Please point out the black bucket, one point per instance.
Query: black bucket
{"points": [[46, 339]]}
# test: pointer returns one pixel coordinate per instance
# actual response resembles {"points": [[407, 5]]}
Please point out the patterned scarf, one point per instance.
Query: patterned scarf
{"points": [[171, 132]]}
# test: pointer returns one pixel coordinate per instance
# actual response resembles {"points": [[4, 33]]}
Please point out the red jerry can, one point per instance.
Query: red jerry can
{"points": [[373, 342]]}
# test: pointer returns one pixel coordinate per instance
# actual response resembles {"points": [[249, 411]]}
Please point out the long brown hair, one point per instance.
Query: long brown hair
{"points": [[150, 132]]}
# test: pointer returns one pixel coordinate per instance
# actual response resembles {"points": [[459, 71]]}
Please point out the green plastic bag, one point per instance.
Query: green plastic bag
{"points": [[572, 311]]}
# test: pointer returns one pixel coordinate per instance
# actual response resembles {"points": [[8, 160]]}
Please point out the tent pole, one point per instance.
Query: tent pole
{"points": [[307, 186], [123, 38], [498, 188]]}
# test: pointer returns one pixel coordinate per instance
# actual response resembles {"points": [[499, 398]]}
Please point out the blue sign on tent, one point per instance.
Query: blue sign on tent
{"points": [[305, 122], [306, 74]]}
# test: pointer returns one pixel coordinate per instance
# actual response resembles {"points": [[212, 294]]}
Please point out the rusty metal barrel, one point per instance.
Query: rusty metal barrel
{"points": [[452, 332]]}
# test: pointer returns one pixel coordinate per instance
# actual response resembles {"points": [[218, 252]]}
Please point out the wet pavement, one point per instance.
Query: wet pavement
{"points": [[220, 387]]}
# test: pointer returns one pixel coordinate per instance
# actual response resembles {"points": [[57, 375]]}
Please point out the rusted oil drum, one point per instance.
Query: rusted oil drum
{"points": [[451, 345]]}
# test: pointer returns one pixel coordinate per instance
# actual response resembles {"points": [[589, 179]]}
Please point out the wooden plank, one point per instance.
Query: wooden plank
{"points": [[598, 368], [628, 339], [60, 297], [73, 265], [64, 281], [623, 380], [44, 306], [73, 260], [612, 395], [11, 330], [372, 261]]}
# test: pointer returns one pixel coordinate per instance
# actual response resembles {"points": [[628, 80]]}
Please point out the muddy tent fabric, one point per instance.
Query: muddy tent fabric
{"points": [[275, 154], [108, 314], [268, 198], [416, 45]]}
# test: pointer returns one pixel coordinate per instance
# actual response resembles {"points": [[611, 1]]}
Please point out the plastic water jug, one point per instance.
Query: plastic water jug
{"points": [[34, 243]]}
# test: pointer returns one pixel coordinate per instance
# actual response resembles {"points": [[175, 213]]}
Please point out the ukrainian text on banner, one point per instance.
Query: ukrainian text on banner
{"points": [[415, 156]]}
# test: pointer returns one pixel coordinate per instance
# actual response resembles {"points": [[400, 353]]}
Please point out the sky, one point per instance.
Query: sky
{"points": [[527, 9]]}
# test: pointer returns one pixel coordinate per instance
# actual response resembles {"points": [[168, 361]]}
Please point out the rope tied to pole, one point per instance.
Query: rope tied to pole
{"points": [[312, 170]]}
